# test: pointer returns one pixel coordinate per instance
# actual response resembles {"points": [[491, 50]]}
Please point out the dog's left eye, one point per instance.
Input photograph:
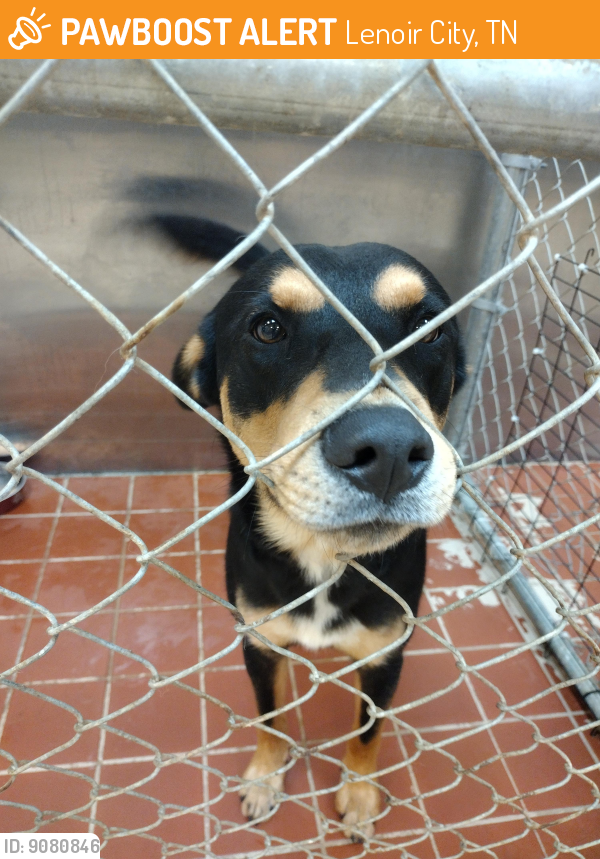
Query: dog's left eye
{"points": [[267, 329], [433, 335]]}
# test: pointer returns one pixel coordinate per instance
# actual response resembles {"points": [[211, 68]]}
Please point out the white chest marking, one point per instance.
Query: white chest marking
{"points": [[311, 632]]}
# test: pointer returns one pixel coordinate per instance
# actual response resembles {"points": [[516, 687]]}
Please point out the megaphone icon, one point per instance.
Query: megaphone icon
{"points": [[26, 32]]}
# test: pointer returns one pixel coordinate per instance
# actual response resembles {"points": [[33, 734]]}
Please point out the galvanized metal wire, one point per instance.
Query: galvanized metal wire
{"points": [[536, 408]]}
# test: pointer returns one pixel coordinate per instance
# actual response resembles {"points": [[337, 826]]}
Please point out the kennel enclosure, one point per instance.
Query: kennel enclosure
{"points": [[517, 237]]}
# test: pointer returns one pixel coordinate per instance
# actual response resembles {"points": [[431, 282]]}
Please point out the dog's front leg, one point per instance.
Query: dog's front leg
{"points": [[358, 802], [267, 671]]}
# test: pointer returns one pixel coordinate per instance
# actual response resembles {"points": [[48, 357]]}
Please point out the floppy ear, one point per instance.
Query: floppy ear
{"points": [[195, 368]]}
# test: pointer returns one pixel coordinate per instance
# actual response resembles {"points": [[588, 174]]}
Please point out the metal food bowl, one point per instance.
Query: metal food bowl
{"points": [[16, 496]]}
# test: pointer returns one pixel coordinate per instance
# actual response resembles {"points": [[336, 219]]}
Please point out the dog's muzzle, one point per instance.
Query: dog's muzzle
{"points": [[382, 450]]}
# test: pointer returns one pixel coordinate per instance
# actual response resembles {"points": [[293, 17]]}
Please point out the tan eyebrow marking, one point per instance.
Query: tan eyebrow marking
{"points": [[292, 290], [192, 352], [397, 287]]}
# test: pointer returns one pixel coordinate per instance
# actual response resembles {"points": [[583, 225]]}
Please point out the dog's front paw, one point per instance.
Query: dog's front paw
{"points": [[357, 804], [260, 799]]}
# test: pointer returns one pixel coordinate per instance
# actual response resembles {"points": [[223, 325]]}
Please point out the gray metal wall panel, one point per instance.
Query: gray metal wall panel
{"points": [[75, 187], [535, 107]]}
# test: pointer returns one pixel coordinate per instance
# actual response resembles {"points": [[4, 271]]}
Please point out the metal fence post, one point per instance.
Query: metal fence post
{"points": [[486, 310]]}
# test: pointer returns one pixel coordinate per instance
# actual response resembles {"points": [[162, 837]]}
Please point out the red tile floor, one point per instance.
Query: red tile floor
{"points": [[460, 773]]}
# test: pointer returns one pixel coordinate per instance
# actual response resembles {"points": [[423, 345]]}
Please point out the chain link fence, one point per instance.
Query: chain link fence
{"points": [[531, 370], [528, 487]]}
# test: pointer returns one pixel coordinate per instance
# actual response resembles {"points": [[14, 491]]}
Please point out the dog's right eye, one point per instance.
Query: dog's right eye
{"points": [[267, 329]]}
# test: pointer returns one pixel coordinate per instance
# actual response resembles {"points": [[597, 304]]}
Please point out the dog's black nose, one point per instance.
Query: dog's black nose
{"points": [[380, 449]]}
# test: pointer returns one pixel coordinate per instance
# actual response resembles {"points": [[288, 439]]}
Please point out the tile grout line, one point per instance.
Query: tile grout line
{"points": [[30, 614], [568, 712], [111, 659], [510, 606], [493, 739], [410, 768], [409, 654], [118, 511], [208, 472], [227, 750], [79, 558], [291, 666], [201, 678], [206, 757], [417, 792]]}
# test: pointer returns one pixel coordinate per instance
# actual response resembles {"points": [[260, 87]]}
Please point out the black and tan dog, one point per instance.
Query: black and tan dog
{"points": [[278, 359]]}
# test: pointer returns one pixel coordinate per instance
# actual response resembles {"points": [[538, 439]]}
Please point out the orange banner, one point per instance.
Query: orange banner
{"points": [[296, 29]]}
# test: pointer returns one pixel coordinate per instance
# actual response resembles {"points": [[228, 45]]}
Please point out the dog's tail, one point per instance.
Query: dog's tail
{"points": [[205, 239]]}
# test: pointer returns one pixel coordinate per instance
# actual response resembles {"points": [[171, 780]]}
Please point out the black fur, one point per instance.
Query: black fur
{"points": [[258, 376], [261, 666], [379, 683], [209, 239], [270, 576], [258, 379]]}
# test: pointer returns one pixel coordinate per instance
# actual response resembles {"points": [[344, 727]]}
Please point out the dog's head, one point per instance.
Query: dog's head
{"points": [[278, 359]]}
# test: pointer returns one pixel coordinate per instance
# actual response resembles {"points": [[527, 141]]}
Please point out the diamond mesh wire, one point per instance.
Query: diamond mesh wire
{"points": [[532, 456], [533, 369]]}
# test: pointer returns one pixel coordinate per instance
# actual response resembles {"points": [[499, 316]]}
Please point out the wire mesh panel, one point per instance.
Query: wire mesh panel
{"points": [[531, 470], [533, 369]]}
